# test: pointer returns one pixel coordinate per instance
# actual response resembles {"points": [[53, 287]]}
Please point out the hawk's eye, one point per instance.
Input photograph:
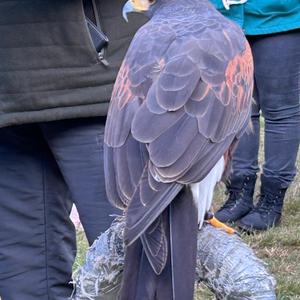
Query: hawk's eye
{"points": [[151, 1]]}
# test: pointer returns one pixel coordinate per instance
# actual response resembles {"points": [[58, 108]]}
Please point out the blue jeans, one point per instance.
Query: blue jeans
{"points": [[277, 97], [44, 168]]}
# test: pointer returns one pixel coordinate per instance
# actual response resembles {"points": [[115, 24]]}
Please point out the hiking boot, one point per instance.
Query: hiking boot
{"points": [[240, 199], [267, 212]]}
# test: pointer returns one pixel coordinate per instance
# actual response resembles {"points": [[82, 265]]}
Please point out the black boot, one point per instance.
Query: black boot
{"points": [[267, 212], [240, 199]]}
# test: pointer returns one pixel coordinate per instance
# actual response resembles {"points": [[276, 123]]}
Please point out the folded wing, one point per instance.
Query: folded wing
{"points": [[170, 121]]}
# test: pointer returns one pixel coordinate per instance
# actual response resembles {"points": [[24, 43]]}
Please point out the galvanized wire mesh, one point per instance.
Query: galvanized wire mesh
{"points": [[100, 276], [229, 267], [224, 263]]}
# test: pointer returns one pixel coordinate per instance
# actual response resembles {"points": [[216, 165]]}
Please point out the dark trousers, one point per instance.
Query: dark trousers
{"points": [[277, 97], [44, 168]]}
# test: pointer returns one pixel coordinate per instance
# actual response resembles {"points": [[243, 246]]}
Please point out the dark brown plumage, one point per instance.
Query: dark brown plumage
{"points": [[182, 97]]}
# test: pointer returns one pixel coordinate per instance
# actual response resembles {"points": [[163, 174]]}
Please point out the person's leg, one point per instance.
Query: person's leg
{"points": [[37, 240], [277, 72], [245, 156], [240, 188], [78, 149]]}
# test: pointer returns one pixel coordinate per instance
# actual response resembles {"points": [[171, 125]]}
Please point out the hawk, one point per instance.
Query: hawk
{"points": [[181, 101]]}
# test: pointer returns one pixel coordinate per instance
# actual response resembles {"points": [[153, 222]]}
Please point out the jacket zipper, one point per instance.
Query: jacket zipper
{"points": [[102, 53], [101, 57]]}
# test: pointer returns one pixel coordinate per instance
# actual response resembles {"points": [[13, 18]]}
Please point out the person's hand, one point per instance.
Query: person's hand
{"points": [[227, 3]]}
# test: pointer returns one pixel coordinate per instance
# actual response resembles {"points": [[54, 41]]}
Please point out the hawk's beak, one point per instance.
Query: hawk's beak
{"points": [[135, 6], [128, 8]]}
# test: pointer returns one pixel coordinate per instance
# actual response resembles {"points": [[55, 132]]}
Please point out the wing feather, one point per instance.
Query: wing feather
{"points": [[155, 245], [171, 144], [144, 119]]}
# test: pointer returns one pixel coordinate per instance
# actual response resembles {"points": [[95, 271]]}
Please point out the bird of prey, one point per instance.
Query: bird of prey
{"points": [[180, 102]]}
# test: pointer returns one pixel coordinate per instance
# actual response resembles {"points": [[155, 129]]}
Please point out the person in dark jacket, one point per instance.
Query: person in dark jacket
{"points": [[54, 94], [273, 31]]}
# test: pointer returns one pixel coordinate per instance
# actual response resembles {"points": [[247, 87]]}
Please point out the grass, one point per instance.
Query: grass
{"points": [[278, 247]]}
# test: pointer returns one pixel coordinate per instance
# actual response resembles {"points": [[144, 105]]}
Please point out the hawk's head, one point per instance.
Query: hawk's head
{"points": [[137, 6]]}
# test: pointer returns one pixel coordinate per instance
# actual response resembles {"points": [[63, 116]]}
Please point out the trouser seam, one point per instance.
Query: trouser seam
{"points": [[45, 226]]}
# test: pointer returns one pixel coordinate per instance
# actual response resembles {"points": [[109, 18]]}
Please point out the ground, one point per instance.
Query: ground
{"points": [[279, 247]]}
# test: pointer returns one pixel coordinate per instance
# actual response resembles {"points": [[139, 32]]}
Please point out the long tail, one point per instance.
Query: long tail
{"points": [[179, 223]]}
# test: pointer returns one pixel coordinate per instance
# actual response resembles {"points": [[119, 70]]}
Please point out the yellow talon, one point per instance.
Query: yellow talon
{"points": [[218, 224]]}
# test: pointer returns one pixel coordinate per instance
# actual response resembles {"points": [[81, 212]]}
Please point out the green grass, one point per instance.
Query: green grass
{"points": [[82, 247], [279, 247]]}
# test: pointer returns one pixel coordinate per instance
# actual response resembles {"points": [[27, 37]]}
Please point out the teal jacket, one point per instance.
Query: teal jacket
{"points": [[258, 17]]}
